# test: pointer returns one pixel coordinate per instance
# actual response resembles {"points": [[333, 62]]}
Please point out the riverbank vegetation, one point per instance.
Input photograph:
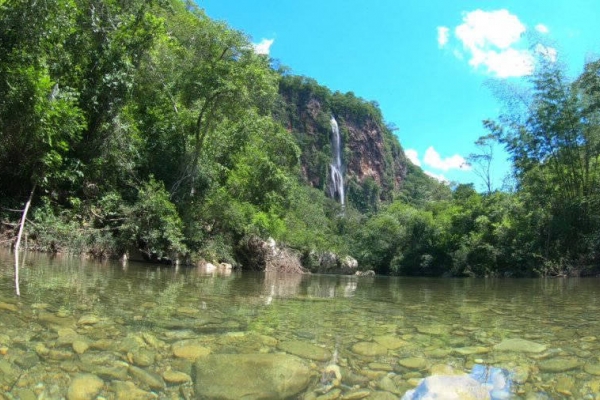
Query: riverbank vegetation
{"points": [[146, 125]]}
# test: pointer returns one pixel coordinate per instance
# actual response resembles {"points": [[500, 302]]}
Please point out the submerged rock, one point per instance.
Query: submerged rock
{"points": [[257, 376], [559, 364], [520, 346], [151, 379], [128, 391], [85, 387], [390, 342], [305, 350], [176, 377], [189, 350], [369, 349], [413, 363]]}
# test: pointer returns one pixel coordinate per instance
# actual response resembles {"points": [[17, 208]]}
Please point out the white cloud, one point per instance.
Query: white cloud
{"points": [[541, 28], [413, 156], [433, 159], [443, 36], [490, 41], [263, 47], [507, 63], [439, 177]]}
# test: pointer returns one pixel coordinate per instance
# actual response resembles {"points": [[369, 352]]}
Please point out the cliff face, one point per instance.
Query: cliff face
{"points": [[373, 160]]}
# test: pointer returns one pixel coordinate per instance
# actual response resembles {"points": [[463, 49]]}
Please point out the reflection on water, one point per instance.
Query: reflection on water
{"points": [[140, 328]]}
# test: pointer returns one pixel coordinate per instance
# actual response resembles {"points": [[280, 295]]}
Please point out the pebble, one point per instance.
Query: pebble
{"points": [[369, 349]]}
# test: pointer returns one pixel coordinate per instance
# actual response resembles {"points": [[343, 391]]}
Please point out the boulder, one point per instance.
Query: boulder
{"points": [[265, 255], [256, 376], [330, 263]]}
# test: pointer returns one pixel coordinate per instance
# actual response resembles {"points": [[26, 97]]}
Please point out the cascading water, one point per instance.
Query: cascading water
{"points": [[336, 188]]}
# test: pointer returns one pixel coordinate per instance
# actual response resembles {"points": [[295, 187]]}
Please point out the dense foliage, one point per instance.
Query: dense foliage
{"points": [[146, 125]]}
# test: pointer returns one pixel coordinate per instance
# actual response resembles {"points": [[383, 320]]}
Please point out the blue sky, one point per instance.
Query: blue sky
{"points": [[428, 63]]}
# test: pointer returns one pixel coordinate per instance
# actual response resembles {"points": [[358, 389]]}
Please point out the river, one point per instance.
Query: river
{"points": [[83, 329]]}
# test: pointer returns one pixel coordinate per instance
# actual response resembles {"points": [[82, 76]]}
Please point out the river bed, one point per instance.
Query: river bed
{"points": [[87, 330]]}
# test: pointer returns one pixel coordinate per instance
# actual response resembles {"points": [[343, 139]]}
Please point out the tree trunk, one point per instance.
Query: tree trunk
{"points": [[18, 244]]}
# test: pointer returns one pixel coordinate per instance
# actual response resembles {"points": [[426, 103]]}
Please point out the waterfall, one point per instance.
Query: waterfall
{"points": [[336, 189]]}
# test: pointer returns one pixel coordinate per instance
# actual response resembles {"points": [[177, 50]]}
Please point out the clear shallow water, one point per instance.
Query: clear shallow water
{"points": [[137, 331]]}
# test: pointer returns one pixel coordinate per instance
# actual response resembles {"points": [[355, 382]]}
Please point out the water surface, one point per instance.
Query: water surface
{"points": [[140, 328]]}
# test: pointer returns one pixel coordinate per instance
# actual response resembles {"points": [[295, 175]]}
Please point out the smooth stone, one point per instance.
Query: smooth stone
{"points": [[8, 374], [151, 379], [437, 353], [55, 322], [435, 330], [188, 311], [356, 394], [387, 384], [102, 344], [369, 349], [8, 307], [117, 372], [564, 385], [256, 376], [268, 340], [128, 391], [152, 341], [469, 350], [559, 364], [59, 355], [67, 333], [444, 369], [390, 342], [84, 387], [520, 374], [28, 360], [80, 346], [305, 350], [331, 395], [189, 350], [176, 377], [25, 394], [381, 395], [413, 363], [373, 375], [143, 358], [592, 369], [448, 388], [520, 346], [381, 366], [88, 319]]}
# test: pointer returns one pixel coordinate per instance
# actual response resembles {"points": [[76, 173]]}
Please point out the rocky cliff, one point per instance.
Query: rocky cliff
{"points": [[374, 163]]}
